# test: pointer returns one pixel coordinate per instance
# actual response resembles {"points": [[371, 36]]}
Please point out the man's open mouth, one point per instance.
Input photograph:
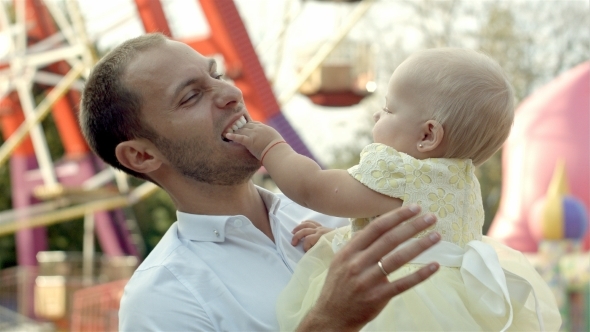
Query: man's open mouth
{"points": [[237, 125]]}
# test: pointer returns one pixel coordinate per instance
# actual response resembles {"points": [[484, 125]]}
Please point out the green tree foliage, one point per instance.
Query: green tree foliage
{"points": [[499, 40], [533, 41], [154, 215], [7, 247], [511, 35], [65, 236]]}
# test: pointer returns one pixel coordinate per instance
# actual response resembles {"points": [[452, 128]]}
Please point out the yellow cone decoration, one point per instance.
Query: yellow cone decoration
{"points": [[553, 210]]}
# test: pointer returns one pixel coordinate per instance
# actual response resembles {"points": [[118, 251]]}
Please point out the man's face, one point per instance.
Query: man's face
{"points": [[189, 107]]}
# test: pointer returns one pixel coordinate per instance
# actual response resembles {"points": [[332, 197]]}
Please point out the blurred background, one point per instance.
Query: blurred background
{"points": [[72, 230]]}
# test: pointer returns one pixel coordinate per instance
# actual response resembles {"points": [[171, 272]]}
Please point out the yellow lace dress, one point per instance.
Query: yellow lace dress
{"points": [[482, 285]]}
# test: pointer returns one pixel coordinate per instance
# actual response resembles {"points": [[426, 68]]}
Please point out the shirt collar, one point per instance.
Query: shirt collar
{"points": [[208, 228]]}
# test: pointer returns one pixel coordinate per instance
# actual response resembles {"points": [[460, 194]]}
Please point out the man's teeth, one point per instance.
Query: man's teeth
{"points": [[237, 125]]}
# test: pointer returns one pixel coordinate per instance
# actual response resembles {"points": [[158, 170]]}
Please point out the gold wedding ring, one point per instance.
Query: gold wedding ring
{"points": [[380, 264]]}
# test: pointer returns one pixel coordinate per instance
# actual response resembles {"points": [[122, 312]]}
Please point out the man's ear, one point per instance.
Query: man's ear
{"points": [[138, 155], [432, 136]]}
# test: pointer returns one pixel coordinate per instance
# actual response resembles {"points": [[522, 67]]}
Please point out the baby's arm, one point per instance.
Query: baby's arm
{"points": [[333, 192]]}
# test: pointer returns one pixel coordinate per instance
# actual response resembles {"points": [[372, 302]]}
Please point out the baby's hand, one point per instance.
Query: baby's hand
{"points": [[256, 137], [310, 231]]}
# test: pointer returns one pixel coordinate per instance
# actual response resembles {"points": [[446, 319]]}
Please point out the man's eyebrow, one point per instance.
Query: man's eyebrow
{"points": [[193, 80]]}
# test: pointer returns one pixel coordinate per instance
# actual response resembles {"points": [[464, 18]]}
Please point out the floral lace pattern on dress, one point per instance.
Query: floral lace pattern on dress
{"points": [[447, 188]]}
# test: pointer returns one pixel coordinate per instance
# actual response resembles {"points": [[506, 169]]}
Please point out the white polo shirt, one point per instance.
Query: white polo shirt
{"points": [[217, 273]]}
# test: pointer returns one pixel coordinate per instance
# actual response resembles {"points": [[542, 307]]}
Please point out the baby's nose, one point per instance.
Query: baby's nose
{"points": [[376, 116]]}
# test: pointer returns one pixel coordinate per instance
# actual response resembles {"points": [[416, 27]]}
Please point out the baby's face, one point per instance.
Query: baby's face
{"points": [[399, 124]]}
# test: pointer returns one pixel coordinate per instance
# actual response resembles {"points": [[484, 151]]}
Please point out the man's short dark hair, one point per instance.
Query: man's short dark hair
{"points": [[109, 110]]}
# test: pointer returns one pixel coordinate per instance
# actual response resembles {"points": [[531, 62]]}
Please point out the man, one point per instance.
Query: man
{"points": [[158, 110]]}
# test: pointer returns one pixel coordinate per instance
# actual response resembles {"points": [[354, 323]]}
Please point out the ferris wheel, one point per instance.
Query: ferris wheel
{"points": [[48, 53]]}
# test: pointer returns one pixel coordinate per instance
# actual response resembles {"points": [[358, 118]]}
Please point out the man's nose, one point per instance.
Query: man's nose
{"points": [[227, 95]]}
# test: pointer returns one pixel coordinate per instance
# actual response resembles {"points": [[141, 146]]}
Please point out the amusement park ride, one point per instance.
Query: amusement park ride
{"points": [[49, 54], [49, 50]]}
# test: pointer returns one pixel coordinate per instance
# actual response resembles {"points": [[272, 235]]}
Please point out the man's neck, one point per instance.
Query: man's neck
{"points": [[243, 199]]}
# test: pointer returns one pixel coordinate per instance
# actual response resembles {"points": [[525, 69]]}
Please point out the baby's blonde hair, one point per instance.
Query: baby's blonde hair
{"points": [[468, 94]]}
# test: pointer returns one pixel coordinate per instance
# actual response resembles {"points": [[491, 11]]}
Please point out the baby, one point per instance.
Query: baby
{"points": [[446, 111]]}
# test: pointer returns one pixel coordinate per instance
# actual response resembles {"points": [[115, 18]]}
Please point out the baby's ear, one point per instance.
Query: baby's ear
{"points": [[432, 136], [138, 155]]}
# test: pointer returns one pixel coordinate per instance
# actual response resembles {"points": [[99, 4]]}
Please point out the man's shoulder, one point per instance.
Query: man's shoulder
{"points": [[163, 272], [161, 295], [164, 252]]}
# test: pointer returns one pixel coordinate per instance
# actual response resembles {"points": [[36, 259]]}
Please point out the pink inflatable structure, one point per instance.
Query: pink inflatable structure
{"points": [[550, 126]]}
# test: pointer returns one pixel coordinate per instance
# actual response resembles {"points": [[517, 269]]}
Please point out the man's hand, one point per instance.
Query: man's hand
{"points": [[356, 289], [310, 231], [256, 137]]}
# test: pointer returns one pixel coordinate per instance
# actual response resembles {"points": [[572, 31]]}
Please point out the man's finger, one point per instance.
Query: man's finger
{"points": [[395, 237], [401, 285], [398, 258], [380, 226]]}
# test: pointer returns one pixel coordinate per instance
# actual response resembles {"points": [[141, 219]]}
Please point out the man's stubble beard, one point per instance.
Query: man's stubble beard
{"points": [[196, 162]]}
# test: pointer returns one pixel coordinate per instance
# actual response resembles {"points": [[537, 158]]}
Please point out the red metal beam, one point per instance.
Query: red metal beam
{"points": [[153, 17], [11, 117], [230, 35]]}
